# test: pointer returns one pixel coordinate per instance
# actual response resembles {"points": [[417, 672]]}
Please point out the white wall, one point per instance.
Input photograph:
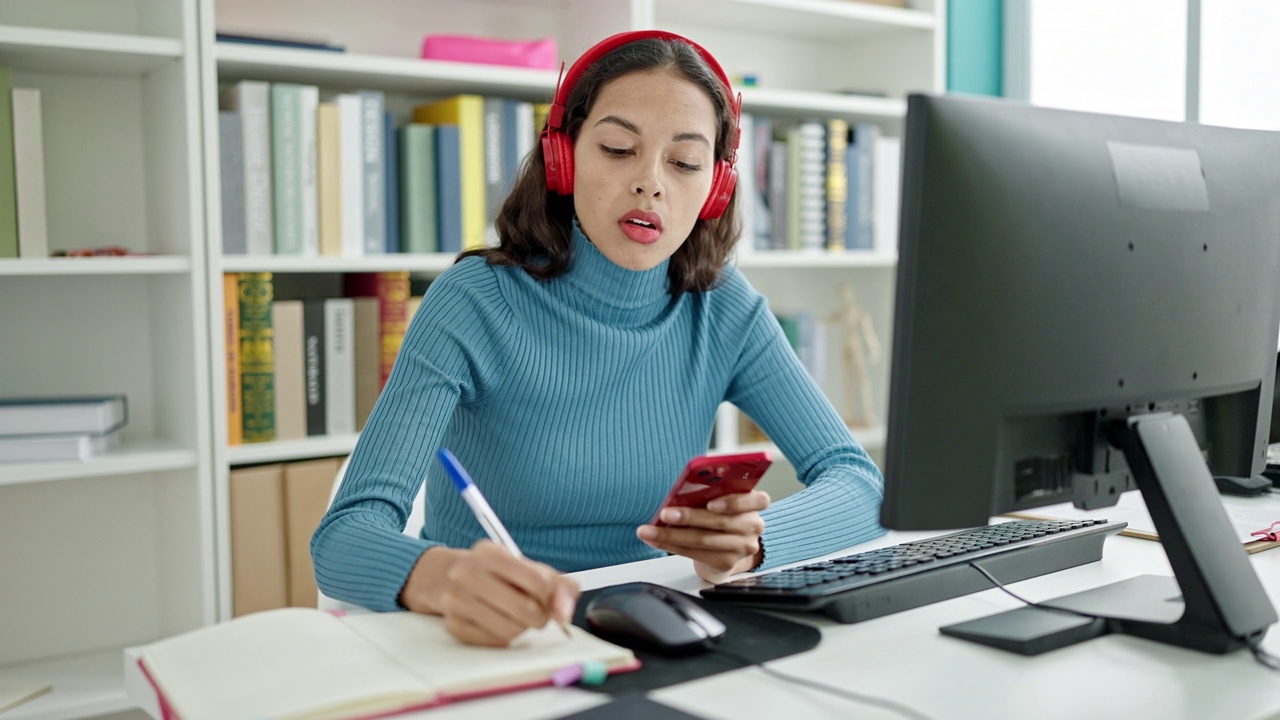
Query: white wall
{"points": [[1240, 63]]}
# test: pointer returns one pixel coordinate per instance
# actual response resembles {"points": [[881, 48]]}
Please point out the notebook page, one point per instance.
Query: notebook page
{"points": [[288, 663], [426, 649]]}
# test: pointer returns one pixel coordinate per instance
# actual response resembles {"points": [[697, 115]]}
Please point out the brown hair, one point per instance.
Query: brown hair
{"points": [[534, 225]]}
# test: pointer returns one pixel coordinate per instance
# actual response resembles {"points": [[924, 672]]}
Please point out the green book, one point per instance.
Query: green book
{"points": [[257, 358], [286, 166], [8, 188], [418, 225]]}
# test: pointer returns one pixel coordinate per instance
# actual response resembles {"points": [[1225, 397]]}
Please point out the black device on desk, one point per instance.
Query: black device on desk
{"points": [[651, 616], [1085, 303]]}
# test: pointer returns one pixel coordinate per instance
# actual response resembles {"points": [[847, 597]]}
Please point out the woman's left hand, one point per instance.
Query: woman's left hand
{"points": [[722, 540]]}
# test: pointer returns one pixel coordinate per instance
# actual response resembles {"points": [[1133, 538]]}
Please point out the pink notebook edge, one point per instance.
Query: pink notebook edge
{"points": [[168, 713]]}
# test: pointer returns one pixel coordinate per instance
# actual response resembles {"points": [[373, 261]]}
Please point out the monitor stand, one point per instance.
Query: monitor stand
{"points": [[1214, 603]]}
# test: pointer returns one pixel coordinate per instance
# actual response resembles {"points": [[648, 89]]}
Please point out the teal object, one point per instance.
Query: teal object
{"points": [[975, 47]]}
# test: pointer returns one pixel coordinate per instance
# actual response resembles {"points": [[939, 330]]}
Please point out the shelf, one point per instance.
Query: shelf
{"points": [[422, 262], [142, 265], [85, 685], [825, 19], [85, 53], [133, 458], [805, 103], [283, 450], [791, 260], [351, 71]]}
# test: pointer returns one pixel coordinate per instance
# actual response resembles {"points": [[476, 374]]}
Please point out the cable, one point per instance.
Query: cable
{"points": [[889, 705], [1263, 657]]}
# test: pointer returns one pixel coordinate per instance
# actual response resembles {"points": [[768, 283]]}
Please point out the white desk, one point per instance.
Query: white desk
{"points": [[903, 657]]}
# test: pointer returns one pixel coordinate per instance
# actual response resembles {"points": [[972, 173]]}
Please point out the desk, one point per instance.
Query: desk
{"points": [[904, 658]]}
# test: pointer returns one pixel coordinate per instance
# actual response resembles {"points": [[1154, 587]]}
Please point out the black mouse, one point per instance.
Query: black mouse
{"points": [[1232, 485], [644, 615]]}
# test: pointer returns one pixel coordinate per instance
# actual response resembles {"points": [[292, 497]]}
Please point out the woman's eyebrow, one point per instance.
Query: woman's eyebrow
{"points": [[635, 129]]}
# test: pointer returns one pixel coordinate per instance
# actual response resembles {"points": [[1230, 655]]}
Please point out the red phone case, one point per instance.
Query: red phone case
{"points": [[708, 477]]}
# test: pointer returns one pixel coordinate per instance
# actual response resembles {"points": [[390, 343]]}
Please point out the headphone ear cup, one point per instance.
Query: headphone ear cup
{"points": [[722, 184], [557, 158]]}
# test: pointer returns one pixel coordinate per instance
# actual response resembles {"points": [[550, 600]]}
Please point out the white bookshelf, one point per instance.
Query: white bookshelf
{"points": [[118, 550], [432, 263], [838, 20], [286, 450]]}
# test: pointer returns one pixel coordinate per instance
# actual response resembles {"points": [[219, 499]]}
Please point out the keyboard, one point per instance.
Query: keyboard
{"points": [[880, 582]]}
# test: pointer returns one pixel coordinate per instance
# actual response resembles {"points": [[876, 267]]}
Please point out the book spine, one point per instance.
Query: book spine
{"points": [[367, 351], [888, 178], [232, 182], [864, 145], [745, 188], [372, 107], [418, 187], [28, 174], [290, 370], [837, 182], [813, 194], [315, 365], [467, 113], [340, 365], [351, 163], [231, 338], [763, 146], [257, 357], [449, 211], [8, 191], [308, 104], [286, 164], [251, 100], [493, 165], [391, 181], [328, 179]]}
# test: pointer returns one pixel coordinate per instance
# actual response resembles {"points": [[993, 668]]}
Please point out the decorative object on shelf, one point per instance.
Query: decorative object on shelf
{"points": [[540, 54], [101, 251], [860, 350]]}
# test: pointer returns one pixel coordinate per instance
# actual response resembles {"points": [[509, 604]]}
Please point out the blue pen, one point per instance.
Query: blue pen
{"points": [[493, 527]]}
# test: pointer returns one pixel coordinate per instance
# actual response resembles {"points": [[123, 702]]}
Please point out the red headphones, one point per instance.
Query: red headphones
{"points": [[557, 147]]}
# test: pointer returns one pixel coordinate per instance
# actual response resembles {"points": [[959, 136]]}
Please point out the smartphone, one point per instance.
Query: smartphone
{"points": [[708, 477]]}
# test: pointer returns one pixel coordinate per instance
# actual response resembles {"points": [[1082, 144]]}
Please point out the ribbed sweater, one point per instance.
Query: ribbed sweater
{"points": [[574, 403]]}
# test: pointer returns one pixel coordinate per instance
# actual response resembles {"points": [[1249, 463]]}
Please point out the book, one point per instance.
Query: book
{"points": [[392, 291], [466, 112], [887, 180], [8, 191], [259, 564], [368, 355], [315, 365], [373, 173], [449, 202], [351, 168], [358, 665], [328, 179], [284, 41], [306, 497], [50, 448], [231, 343], [231, 179], [287, 167], [339, 365], [257, 358], [391, 181], [837, 183], [418, 199], [28, 174], [251, 100], [1247, 521], [63, 415], [290, 370]]}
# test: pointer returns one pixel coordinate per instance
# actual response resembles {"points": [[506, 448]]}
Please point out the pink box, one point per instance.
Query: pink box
{"points": [[539, 54]]}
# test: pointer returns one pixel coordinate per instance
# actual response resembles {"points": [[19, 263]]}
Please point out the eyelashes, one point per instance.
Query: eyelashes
{"points": [[620, 153]]}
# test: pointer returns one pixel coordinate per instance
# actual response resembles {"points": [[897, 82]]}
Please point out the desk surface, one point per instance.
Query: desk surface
{"points": [[903, 657]]}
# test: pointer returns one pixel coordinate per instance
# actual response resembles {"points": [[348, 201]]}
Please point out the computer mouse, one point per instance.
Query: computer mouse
{"points": [[648, 616], [1232, 485]]}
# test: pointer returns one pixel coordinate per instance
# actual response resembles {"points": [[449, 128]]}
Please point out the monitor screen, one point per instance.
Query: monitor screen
{"points": [[1059, 271]]}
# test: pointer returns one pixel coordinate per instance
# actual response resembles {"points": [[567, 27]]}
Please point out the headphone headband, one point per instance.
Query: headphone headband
{"points": [[566, 83]]}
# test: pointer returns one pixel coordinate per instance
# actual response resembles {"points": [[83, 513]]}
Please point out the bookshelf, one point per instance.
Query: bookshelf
{"points": [[129, 102], [115, 551]]}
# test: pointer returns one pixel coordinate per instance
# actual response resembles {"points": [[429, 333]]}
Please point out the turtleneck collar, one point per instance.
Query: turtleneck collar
{"points": [[610, 292]]}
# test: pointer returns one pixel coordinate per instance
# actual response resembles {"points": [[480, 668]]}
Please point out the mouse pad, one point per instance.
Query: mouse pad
{"points": [[748, 633]]}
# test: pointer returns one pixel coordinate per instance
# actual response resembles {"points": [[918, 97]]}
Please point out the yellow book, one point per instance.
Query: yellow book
{"points": [[540, 113], [231, 338], [306, 664], [467, 112], [329, 178]]}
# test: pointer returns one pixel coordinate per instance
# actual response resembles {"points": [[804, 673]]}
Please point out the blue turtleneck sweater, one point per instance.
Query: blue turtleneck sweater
{"points": [[574, 403]]}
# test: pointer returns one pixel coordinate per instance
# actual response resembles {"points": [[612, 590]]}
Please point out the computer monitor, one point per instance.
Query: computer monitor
{"points": [[1088, 304]]}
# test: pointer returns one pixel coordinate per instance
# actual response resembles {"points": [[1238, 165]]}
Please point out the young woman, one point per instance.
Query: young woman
{"points": [[575, 368]]}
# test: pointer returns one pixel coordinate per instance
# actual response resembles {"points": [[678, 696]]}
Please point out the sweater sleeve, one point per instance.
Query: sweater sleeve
{"points": [[360, 552], [840, 505]]}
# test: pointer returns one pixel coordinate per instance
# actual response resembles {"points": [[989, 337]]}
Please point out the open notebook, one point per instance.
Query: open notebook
{"points": [[306, 664]]}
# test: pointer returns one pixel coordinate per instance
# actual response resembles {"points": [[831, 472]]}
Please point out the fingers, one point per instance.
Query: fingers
{"points": [[492, 596], [753, 501], [677, 539]]}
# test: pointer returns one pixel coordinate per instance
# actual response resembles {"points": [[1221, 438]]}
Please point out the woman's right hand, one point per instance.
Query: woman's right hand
{"points": [[487, 595]]}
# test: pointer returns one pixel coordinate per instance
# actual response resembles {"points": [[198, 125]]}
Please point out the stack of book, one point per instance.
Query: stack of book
{"points": [[40, 429]]}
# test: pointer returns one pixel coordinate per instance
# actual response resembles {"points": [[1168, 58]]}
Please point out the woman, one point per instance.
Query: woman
{"points": [[576, 367]]}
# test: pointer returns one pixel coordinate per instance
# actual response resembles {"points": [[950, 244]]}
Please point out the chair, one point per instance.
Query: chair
{"points": [[412, 528]]}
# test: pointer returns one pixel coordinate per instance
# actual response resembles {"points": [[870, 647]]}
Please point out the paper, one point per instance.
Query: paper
{"points": [[1131, 509]]}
